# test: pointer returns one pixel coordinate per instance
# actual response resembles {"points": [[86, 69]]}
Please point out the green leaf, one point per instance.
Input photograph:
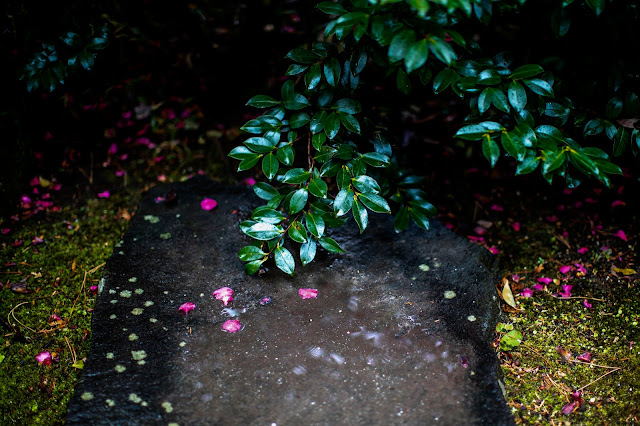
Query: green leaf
{"points": [[261, 125], [583, 163], [296, 102], [315, 224], [593, 127], [554, 109], [402, 81], [474, 132], [284, 260], [350, 19], [298, 200], [424, 206], [596, 5], [606, 166], [249, 253], [491, 150], [262, 101], [313, 76], [297, 232], [349, 122], [350, 106], [517, 96], [265, 191], [444, 79], [442, 50], [268, 215], [295, 69], [549, 133], [374, 202], [554, 161], [261, 145], [484, 100], [318, 140], [420, 6], [332, 70], [343, 179], [285, 155], [253, 266], [613, 108], [526, 71], [499, 100], [513, 145], [263, 231], [249, 162], [325, 154], [488, 77], [317, 122], [401, 44], [417, 55], [539, 86], [303, 56], [318, 188], [331, 8], [376, 159], [527, 135], [510, 341], [343, 202], [360, 215], [529, 164], [419, 218], [296, 176], [402, 219], [241, 152], [330, 244], [365, 183], [332, 125], [307, 252], [270, 165], [621, 141], [299, 119]]}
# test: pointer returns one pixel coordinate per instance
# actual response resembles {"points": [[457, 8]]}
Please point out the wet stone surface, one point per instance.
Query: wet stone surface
{"points": [[398, 334]]}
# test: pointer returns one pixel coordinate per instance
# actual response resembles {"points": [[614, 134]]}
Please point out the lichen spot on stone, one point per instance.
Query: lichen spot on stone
{"points": [[151, 218], [114, 301], [113, 316], [87, 396], [109, 355], [173, 424], [125, 293], [167, 406], [133, 336], [121, 253], [110, 402], [139, 291], [165, 236], [112, 291], [144, 403], [424, 267], [135, 398], [153, 320], [449, 294], [133, 279], [142, 362], [201, 294], [120, 368], [471, 318], [436, 264], [138, 355], [148, 303], [137, 311], [183, 344], [165, 292]]}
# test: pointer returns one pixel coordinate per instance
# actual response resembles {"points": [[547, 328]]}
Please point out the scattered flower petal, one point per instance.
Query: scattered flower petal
{"points": [[308, 293], [94, 289], [552, 218], [566, 291], [494, 250], [265, 301], [618, 203], [249, 181], [231, 326], [570, 407], [16, 243], [5, 231], [496, 208], [208, 204], [620, 234], [581, 268], [586, 357], [583, 250], [587, 304], [538, 287], [475, 239], [35, 181], [37, 240], [545, 280], [516, 226], [104, 194], [527, 292], [225, 294], [515, 277], [44, 358], [186, 307], [564, 269]]}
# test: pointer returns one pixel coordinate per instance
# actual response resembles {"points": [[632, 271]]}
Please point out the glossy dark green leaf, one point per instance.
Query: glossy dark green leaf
{"points": [[298, 200], [513, 145], [250, 253], [261, 125], [349, 122], [402, 81], [296, 102], [249, 162], [261, 145], [374, 202], [553, 161], [488, 77], [517, 96], [583, 163], [491, 150], [296, 176], [526, 71], [401, 44], [360, 215], [299, 119], [621, 141], [303, 56], [332, 125], [632, 104], [330, 245], [332, 70], [318, 188], [613, 108], [262, 101], [474, 132], [419, 218], [295, 69], [315, 224], [499, 100], [424, 206], [318, 140], [444, 79], [343, 202], [267, 215], [350, 19], [325, 154], [365, 183], [313, 76], [549, 133], [442, 50], [297, 232], [350, 106], [317, 122], [376, 159], [529, 164], [555, 110], [331, 8], [241, 152], [425, 75], [402, 219], [539, 86], [596, 5], [359, 61], [284, 260], [417, 55], [484, 100], [265, 191], [343, 178], [307, 252], [285, 154], [270, 165], [263, 231], [253, 266], [420, 6], [526, 135], [605, 166]]}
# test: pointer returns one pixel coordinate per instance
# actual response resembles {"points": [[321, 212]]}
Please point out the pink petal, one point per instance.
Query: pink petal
{"points": [[538, 287], [581, 268], [516, 226], [496, 208], [249, 181], [208, 204], [570, 407], [620, 234], [265, 301], [587, 304], [35, 181], [586, 357], [37, 240], [231, 326], [564, 269], [308, 293], [186, 307], [475, 239], [527, 292], [225, 294], [113, 148], [494, 250], [545, 280], [479, 230], [104, 194], [567, 288], [552, 218], [5, 231], [618, 203], [515, 277], [44, 358], [583, 250], [94, 289]]}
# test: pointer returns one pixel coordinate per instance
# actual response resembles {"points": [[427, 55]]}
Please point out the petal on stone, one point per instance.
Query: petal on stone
{"points": [[186, 307], [308, 293], [231, 326], [545, 280], [208, 204], [44, 358], [225, 294]]}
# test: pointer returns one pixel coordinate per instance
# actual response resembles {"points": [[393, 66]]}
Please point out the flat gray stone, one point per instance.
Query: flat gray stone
{"points": [[398, 334]]}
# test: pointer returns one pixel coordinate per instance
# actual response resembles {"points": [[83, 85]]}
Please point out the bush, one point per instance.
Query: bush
{"points": [[326, 145]]}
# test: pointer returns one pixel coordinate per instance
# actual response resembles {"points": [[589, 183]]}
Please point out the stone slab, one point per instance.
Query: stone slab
{"points": [[383, 343]]}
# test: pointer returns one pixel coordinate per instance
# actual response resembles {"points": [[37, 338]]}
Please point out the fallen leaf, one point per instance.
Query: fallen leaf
{"points": [[507, 295], [624, 271], [567, 355]]}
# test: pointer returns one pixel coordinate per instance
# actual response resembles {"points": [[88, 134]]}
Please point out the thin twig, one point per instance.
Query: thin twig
{"points": [[81, 291], [73, 352], [604, 375], [594, 365], [14, 317], [97, 267]]}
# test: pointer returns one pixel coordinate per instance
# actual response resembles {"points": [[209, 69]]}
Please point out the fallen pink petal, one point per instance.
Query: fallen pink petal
{"points": [[37, 240], [527, 292], [618, 203], [44, 358], [538, 287], [580, 268], [94, 289], [225, 294], [265, 301], [186, 307], [494, 250], [475, 239], [516, 226], [105, 194], [564, 269], [545, 280], [208, 204], [231, 326], [552, 218], [585, 357], [583, 250], [515, 277], [308, 293], [249, 181], [587, 304], [496, 208], [620, 234], [35, 181], [570, 408]]}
